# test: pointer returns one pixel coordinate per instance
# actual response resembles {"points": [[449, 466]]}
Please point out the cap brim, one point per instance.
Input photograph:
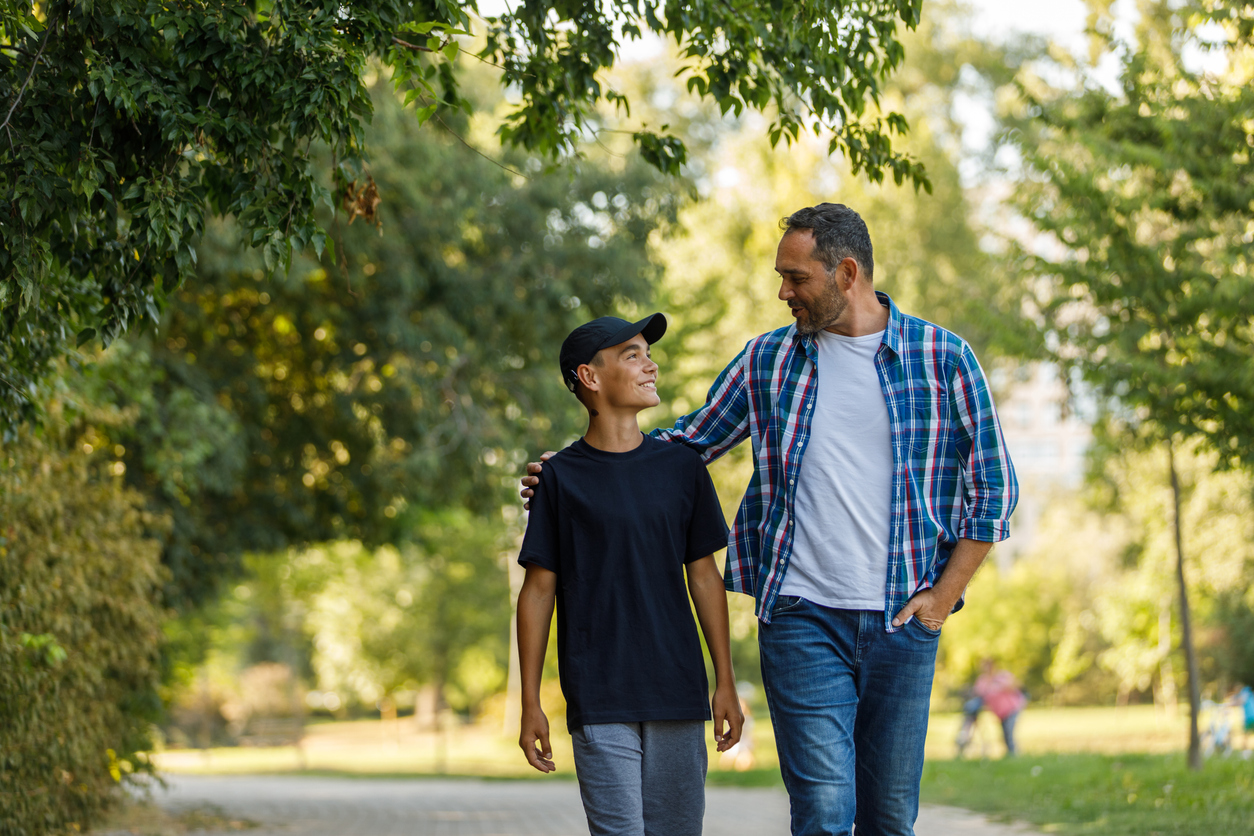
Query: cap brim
{"points": [[652, 328]]}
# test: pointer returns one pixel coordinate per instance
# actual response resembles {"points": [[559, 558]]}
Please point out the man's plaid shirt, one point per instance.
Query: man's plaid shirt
{"points": [[952, 476]]}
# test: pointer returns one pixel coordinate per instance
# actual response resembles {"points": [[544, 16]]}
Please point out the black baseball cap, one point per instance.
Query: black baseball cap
{"points": [[586, 340]]}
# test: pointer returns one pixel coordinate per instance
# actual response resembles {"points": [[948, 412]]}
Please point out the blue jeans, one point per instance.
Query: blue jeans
{"points": [[849, 703], [1008, 732]]}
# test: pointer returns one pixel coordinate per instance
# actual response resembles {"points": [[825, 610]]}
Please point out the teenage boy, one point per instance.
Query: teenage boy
{"points": [[621, 519]]}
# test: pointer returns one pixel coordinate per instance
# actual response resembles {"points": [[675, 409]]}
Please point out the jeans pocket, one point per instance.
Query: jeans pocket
{"points": [[927, 631], [785, 603]]}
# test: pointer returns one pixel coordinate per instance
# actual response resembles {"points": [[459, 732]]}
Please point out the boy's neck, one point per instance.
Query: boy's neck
{"points": [[614, 433]]}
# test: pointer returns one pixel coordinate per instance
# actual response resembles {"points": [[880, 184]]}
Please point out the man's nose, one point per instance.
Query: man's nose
{"points": [[785, 292]]}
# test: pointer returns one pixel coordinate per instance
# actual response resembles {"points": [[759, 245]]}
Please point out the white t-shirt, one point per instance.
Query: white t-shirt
{"points": [[844, 488]]}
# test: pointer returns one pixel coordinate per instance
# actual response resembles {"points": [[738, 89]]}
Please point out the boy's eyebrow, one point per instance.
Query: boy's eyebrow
{"points": [[631, 346]]}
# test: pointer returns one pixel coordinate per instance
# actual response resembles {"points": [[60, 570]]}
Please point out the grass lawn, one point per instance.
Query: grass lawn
{"points": [[374, 747], [1110, 795]]}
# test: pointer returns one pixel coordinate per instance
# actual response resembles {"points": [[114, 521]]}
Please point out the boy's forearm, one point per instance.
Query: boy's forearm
{"points": [[535, 613], [716, 639], [710, 601]]}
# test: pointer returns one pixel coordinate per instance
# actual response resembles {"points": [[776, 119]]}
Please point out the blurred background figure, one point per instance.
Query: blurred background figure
{"points": [[1216, 728], [1245, 699], [1000, 693], [970, 716]]}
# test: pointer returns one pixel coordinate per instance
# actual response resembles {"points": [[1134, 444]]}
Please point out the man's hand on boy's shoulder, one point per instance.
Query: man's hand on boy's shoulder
{"points": [[532, 478], [535, 729], [725, 707]]}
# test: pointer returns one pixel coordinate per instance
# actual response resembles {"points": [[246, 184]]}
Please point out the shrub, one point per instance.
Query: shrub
{"points": [[80, 631]]}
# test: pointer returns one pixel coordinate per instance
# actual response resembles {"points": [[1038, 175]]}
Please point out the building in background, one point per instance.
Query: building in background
{"points": [[1047, 438]]}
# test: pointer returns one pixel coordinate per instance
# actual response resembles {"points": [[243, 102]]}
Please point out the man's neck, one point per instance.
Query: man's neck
{"points": [[865, 315], [614, 433]]}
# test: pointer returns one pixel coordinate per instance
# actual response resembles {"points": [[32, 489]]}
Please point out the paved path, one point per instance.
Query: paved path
{"points": [[298, 806]]}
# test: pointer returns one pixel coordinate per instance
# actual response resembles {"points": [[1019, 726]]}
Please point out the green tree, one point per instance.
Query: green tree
{"points": [[79, 632], [1216, 508], [1015, 619], [369, 623], [128, 124], [435, 613], [317, 406], [1086, 615], [1146, 193], [719, 280]]}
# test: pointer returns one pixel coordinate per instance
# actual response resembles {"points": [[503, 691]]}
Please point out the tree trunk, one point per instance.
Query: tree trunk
{"points": [[1186, 630]]}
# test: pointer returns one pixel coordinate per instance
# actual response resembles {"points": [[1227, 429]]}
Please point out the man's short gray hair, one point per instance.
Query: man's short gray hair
{"points": [[839, 233]]}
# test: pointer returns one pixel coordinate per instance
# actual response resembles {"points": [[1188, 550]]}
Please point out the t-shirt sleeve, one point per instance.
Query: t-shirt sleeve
{"points": [[540, 543], [707, 529]]}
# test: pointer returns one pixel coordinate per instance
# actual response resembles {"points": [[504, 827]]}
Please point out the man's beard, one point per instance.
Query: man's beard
{"points": [[824, 310]]}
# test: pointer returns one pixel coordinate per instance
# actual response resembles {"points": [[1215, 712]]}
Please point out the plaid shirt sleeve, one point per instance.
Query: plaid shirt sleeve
{"points": [[991, 489], [722, 422]]}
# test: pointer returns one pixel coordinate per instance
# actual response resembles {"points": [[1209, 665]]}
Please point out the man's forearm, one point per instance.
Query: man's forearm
{"points": [[961, 567]]}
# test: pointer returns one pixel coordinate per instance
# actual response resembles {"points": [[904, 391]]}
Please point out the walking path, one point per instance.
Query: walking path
{"points": [[299, 806]]}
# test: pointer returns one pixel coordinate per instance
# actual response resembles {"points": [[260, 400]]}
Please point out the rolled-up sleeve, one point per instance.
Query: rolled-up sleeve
{"points": [[991, 489]]}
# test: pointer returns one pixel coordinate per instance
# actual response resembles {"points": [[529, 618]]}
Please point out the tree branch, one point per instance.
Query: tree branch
{"points": [[458, 137], [408, 45], [474, 55], [29, 76], [17, 49]]}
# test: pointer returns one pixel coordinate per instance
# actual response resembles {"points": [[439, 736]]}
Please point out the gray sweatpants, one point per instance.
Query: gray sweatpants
{"points": [[642, 779]]}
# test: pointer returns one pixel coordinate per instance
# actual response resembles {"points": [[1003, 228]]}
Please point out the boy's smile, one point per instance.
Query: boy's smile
{"points": [[627, 376]]}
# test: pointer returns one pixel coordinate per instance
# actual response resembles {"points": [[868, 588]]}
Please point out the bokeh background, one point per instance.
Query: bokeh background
{"points": [[303, 487]]}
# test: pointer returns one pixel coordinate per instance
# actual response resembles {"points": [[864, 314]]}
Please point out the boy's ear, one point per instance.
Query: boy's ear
{"points": [[588, 377]]}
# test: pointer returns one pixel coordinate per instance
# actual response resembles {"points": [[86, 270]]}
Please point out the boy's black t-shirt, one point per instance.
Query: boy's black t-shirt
{"points": [[617, 528]]}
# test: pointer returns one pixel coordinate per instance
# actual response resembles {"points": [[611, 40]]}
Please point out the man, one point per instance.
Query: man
{"points": [[881, 481]]}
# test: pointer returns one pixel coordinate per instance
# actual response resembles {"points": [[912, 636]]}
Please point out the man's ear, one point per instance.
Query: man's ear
{"points": [[588, 377], [849, 272]]}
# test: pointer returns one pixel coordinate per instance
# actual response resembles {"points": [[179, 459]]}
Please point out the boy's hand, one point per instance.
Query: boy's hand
{"points": [[726, 707], [535, 727], [531, 479]]}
